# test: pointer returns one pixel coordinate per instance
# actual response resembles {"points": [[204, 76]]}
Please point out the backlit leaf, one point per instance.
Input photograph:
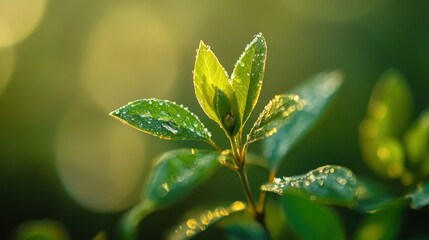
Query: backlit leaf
{"points": [[163, 119], [174, 175], [310, 220], [210, 76], [389, 112], [248, 75], [419, 197], [275, 115], [318, 94], [417, 140], [202, 220], [331, 184]]}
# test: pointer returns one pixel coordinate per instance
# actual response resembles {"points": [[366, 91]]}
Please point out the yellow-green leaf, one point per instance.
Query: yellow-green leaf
{"points": [[248, 75], [210, 75]]}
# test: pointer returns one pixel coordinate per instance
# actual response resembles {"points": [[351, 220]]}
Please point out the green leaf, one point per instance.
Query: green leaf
{"points": [[209, 78], [318, 93], [248, 75], [310, 220], [331, 184], [202, 220], [388, 115], [372, 195], [390, 105], [417, 140], [381, 225], [249, 230], [419, 197], [163, 119], [276, 114], [174, 175], [225, 112], [41, 230]]}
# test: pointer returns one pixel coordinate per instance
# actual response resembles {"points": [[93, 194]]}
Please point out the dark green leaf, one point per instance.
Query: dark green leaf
{"points": [[276, 114], [381, 225], [163, 119], [209, 75], [310, 220], [175, 174], [249, 230], [419, 197], [332, 184], [372, 195], [202, 220], [226, 112], [248, 75], [318, 93]]}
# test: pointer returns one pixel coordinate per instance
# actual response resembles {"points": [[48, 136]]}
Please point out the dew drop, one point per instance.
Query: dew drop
{"points": [[168, 127], [163, 190]]}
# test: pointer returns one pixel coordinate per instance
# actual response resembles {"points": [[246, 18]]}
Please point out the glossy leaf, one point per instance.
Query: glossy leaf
{"points": [[248, 75], [310, 220], [318, 94], [331, 184], [200, 221], [226, 111], [417, 140], [381, 225], [163, 119], [276, 114], [210, 77], [174, 175], [419, 197]]}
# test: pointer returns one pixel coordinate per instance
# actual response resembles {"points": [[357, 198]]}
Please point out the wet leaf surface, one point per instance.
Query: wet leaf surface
{"points": [[163, 119], [331, 184], [318, 94], [419, 197], [202, 220], [276, 114]]}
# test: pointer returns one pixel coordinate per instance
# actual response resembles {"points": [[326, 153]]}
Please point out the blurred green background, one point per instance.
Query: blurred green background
{"points": [[64, 65]]}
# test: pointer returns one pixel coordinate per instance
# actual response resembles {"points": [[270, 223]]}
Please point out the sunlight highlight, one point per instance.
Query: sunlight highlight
{"points": [[100, 163], [129, 56], [18, 19]]}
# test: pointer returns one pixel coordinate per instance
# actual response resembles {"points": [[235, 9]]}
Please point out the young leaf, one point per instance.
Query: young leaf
{"points": [[332, 184], [275, 115], [209, 78], [318, 93], [163, 119], [419, 197], [203, 220], [310, 220], [226, 113], [248, 75], [174, 175]]}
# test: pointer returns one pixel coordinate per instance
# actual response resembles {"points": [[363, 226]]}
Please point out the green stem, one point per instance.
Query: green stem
{"points": [[246, 186]]}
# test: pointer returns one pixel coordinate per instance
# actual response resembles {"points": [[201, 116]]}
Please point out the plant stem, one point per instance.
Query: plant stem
{"points": [[263, 195], [245, 182]]}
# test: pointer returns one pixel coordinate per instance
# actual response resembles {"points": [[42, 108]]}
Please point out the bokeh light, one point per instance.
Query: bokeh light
{"points": [[99, 161], [6, 66], [129, 56], [18, 19]]}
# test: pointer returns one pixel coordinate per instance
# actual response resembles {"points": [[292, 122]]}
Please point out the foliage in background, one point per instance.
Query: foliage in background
{"points": [[397, 150], [229, 100]]}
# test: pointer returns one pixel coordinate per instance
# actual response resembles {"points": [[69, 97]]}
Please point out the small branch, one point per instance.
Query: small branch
{"points": [[213, 144], [263, 195]]}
